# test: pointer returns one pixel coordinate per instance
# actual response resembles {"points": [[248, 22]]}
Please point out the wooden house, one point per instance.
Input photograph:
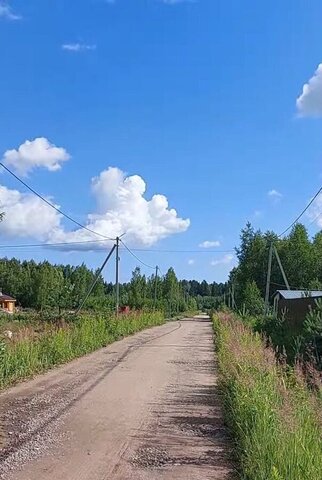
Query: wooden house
{"points": [[7, 303]]}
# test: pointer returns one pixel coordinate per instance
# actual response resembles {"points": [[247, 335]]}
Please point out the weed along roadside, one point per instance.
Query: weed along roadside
{"points": [[57, 345], [273, 417]]}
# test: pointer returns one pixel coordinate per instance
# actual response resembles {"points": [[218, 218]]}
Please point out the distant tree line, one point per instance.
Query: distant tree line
{"points": [[43, 286]]}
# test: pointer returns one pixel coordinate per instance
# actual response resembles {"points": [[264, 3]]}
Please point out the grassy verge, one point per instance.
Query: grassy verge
{"points": [[29, 355], [275, 420]]}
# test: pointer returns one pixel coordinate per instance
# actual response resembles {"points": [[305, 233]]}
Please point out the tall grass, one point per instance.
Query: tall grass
{"points": [[275, 420], [56, 346]]}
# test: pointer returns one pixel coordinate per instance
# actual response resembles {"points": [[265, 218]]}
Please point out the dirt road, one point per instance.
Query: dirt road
{"points": [[145, 407]]}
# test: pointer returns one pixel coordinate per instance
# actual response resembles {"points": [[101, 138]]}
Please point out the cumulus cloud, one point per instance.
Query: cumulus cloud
{"points": [[26, 216], [6, 12], [121, 207], [225, 260], [209, 244], [309, 103], [34, 154], [78, 47]]}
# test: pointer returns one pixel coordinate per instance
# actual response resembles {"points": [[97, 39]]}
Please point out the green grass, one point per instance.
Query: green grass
{"points": [[28, 356], [275, 420]]}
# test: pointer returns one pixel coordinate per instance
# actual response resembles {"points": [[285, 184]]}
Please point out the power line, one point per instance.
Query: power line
{"points": [[302, 213], [294, 288], [84, 242], [162, 274], [180, 251], [44, 245], [315, 219], [51, 205], [137, 258]]}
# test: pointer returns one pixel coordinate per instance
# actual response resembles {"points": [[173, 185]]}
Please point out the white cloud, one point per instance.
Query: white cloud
{"points": [[315, 212], [274, 194], [78, 47], [309, 103], [6, 12], [26, 216], [209, 244], [191, 261], [36, 153], [225, 260], [121, 207]]}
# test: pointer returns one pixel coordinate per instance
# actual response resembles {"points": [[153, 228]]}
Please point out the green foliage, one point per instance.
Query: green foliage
{"points": [[312, 334], [252, 299], [273, 417], [59, 345]]}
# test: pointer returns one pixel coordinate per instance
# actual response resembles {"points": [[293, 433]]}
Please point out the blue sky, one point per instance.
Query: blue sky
{"points": [[198, 99]]}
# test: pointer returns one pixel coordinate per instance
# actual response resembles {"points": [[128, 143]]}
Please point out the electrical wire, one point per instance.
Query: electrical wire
{"points": [[291, 286], [181, 251], [301, 214], [44, 245], [162, 274], [135, 256], [52, 205], [315, 219]]}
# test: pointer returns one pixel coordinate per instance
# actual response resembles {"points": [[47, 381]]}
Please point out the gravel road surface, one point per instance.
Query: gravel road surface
{"points": [[144, 408]]}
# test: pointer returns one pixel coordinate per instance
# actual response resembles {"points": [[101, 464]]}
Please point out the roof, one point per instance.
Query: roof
{"points": [[7, 298], [295, 294]]}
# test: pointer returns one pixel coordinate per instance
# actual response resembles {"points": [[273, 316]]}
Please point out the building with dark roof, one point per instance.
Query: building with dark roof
{"points": [[294, 305]]}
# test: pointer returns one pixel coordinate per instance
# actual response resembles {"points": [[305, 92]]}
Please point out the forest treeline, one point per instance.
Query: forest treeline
{"points": [[63, 287]]}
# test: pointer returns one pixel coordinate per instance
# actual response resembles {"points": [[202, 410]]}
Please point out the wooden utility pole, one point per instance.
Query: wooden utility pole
{"points": [[268, 279], [155, 286], [233, 296], [117, 284]]}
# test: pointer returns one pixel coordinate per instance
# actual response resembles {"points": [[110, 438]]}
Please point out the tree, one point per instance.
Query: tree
{"points": [[137, 289], [252, 300], [171, 291], [298, 257]]}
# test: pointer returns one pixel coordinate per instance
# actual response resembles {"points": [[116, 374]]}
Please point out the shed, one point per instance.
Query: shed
{"points": [[7, 303], [294, 305]]}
